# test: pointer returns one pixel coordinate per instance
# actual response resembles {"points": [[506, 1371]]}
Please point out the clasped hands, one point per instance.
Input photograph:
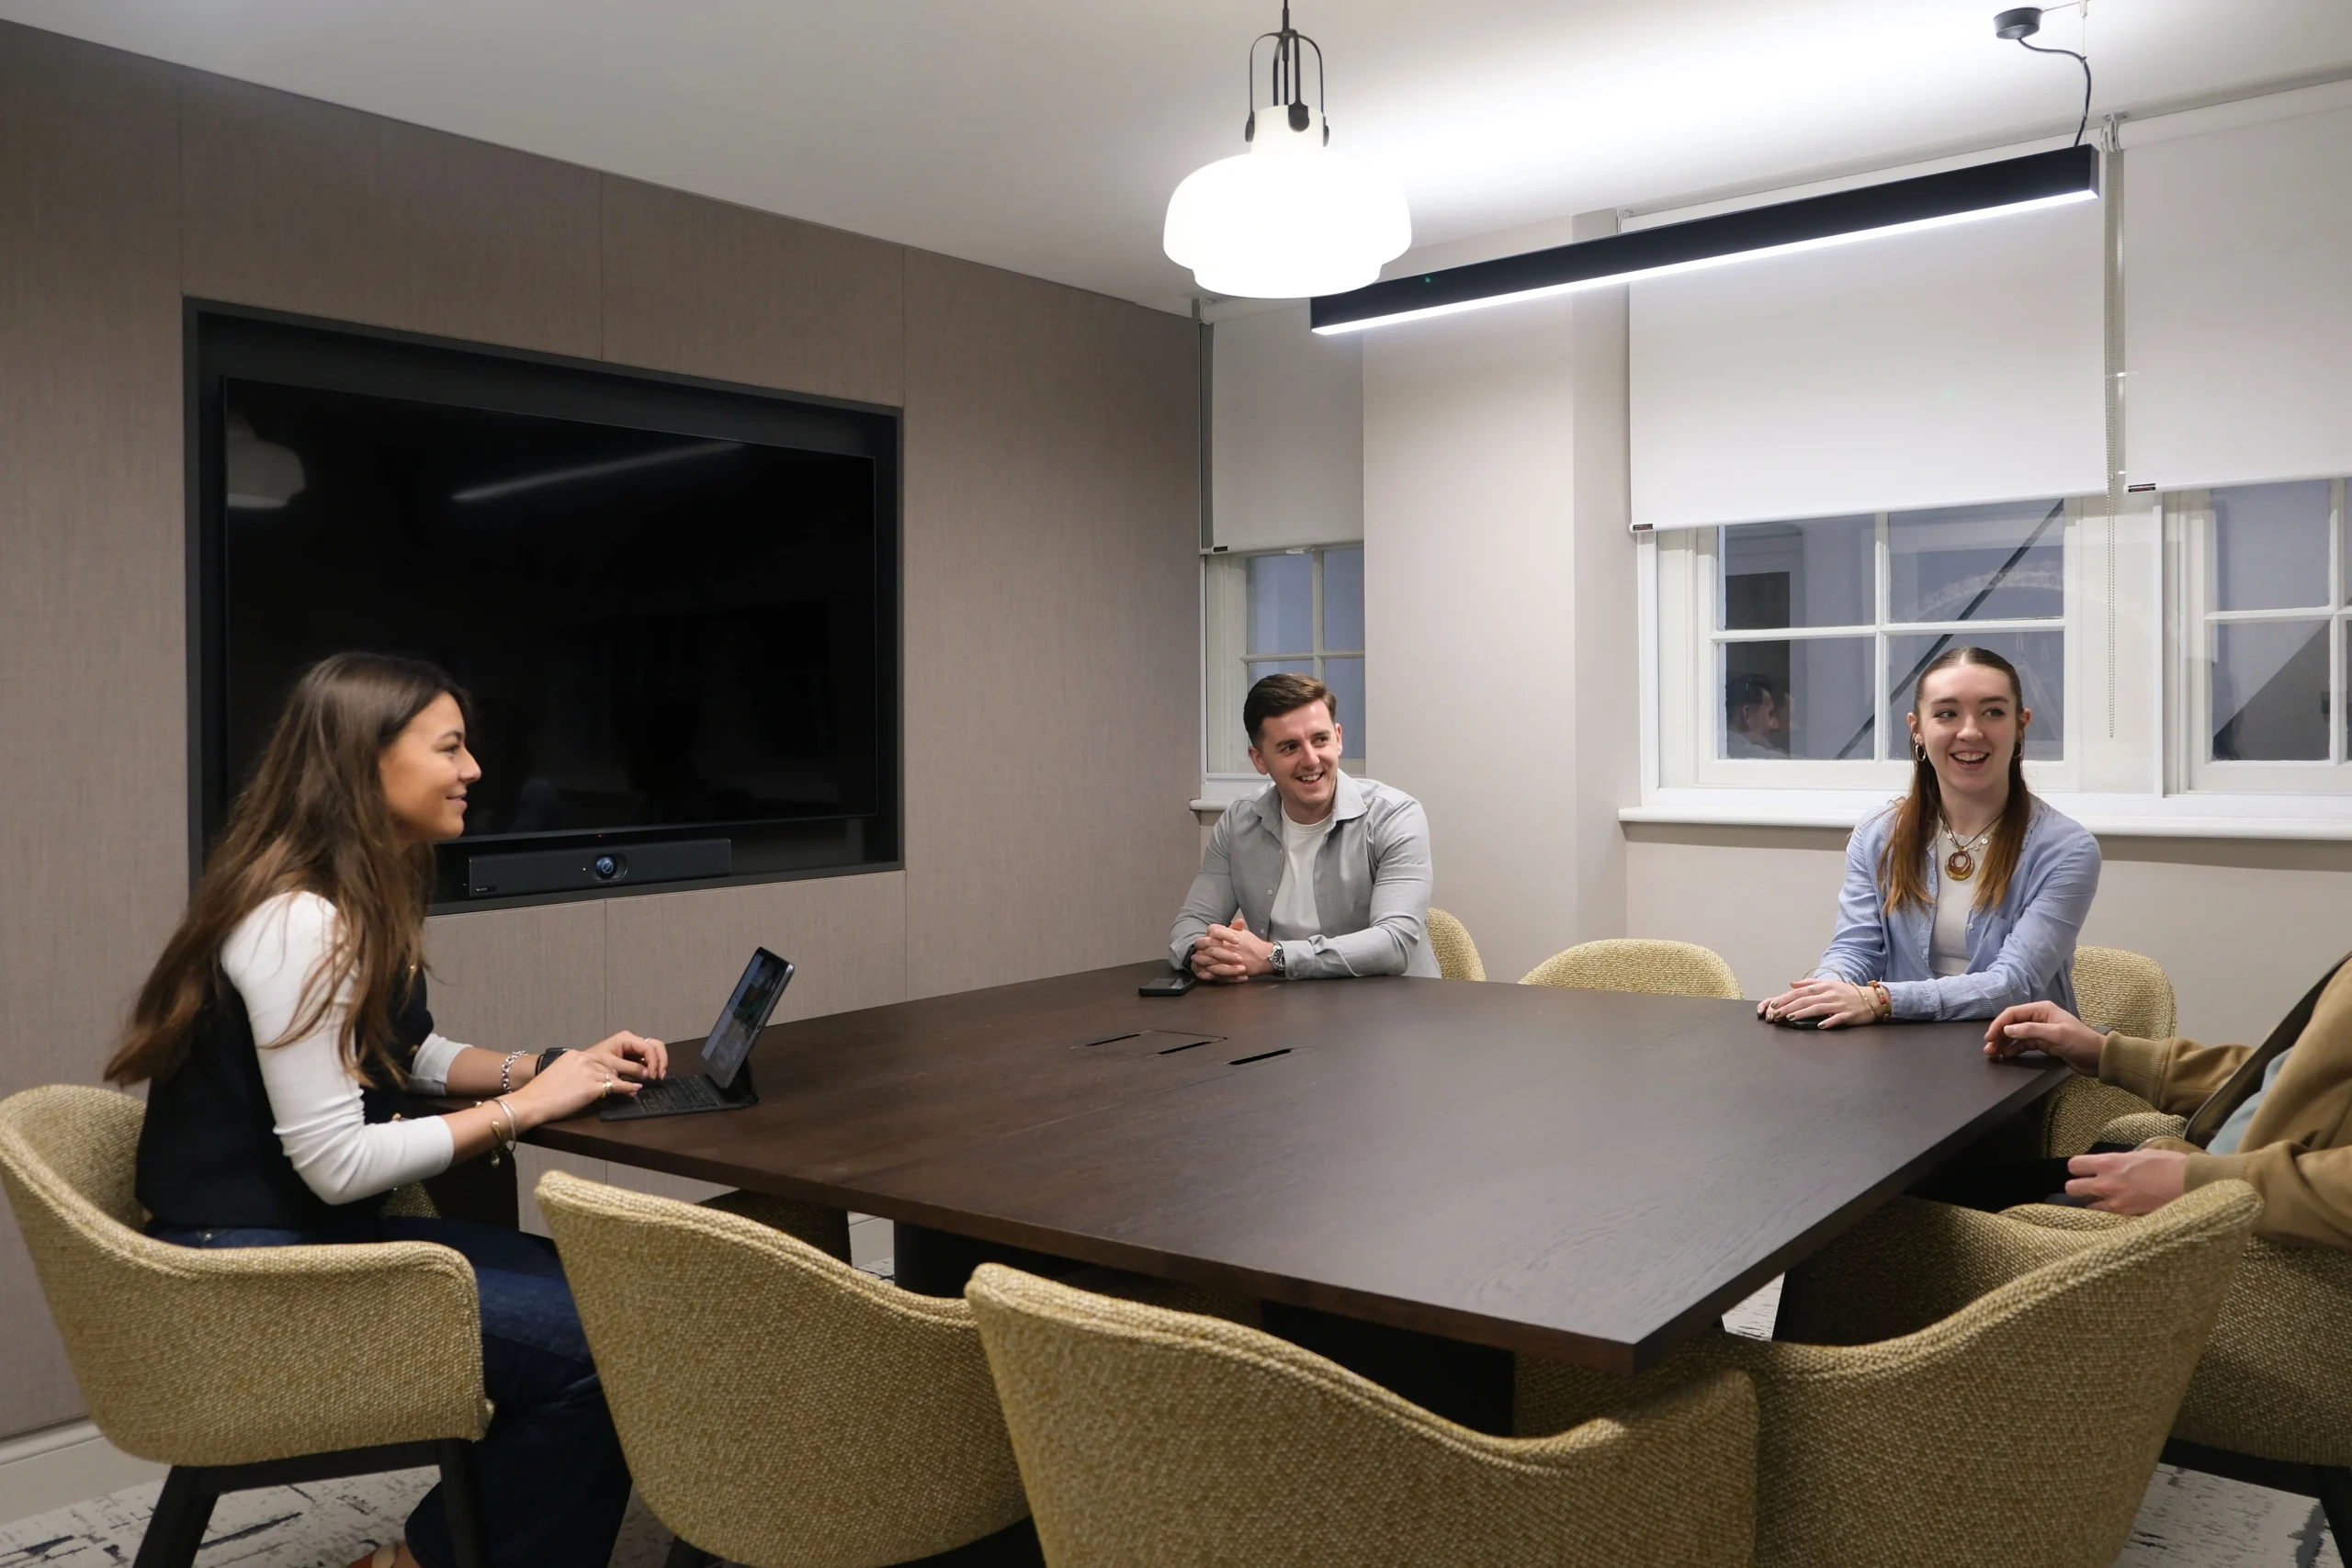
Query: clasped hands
{"points": [[1230, 955]]}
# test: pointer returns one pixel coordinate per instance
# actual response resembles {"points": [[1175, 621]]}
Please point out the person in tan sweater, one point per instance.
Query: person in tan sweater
{"points": [[2278, 1115]]}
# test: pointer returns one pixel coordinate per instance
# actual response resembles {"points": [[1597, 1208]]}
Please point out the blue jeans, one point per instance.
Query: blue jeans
{"points": [[554, 1485]]}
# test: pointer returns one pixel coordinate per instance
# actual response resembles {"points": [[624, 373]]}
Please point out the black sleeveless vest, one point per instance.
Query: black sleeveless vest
{"points": [[209, 1154]]}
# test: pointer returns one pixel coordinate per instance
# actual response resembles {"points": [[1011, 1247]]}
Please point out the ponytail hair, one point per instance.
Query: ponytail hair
{"points": [[1902, 865]]}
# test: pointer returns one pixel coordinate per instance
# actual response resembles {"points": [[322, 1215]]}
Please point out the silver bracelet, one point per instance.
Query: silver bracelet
{"points": [[506, 1071]]}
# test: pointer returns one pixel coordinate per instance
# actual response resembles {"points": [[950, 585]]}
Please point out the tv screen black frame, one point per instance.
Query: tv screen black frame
{"points": [[225, 341]]}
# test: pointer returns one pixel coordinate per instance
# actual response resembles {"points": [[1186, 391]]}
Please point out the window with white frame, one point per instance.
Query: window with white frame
{"points": [[1295, 611], [1789, 652], [2261, 615]]}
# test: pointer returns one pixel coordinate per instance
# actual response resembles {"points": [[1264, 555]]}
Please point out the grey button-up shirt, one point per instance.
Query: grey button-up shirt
{"points": [[1372, 884]]}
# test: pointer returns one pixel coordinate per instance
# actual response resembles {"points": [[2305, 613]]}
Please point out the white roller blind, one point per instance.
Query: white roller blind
{"points": [[2237, 276], [1954, 366], [1286, 434]]}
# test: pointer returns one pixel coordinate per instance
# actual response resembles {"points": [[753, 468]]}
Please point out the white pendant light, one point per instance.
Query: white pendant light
{"points": [[1289, 217]]}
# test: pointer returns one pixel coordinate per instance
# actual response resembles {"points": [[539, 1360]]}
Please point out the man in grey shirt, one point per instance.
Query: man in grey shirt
{"points": [[1318, 876]]}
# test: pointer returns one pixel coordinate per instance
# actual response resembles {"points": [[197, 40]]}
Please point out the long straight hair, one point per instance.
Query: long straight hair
{"points": [[1903, 865], [312, 819]]}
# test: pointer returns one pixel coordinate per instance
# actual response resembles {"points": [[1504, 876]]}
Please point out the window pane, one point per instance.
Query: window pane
{"points": [[1798, 574], [2270, 546], [2041, 658], [2270, 692], [1798, 698], [1977, 563], [1261, 668], [1345, 677], [1342, 600], [1282, 605]]}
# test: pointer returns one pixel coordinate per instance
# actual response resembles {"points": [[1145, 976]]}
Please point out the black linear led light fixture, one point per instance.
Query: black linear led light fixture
{"points": [[1812, 223]]}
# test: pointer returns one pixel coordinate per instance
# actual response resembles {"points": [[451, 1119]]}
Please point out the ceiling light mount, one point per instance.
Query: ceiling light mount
{"points": [[2019, 25], [1287, 218]]}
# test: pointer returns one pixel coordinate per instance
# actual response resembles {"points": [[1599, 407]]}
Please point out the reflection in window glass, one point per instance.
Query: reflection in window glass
{"points": [[1282, 605], [1343, 601], [2041, 658], [2270, 548], [1977, 563], [1798, 574], [1801, 697], [2270, 695], [1345, 677]]}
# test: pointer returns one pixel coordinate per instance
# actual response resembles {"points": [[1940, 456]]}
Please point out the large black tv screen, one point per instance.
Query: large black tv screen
{"points": [[674, 618]]}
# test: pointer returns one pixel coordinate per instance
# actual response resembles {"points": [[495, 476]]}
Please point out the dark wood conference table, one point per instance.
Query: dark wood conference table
{"points": [[1584, 1175]]}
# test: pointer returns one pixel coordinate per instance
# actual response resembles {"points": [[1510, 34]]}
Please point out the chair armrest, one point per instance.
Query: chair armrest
{"points": [[240, 1354], [2074, 1117], [2135, 1130]]}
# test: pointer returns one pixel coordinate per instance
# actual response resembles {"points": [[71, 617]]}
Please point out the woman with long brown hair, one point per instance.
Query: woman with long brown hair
{"points": [[1965, 896], [278, 1033]]}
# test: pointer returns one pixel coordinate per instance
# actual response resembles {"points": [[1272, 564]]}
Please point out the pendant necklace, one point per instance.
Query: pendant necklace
{"points": [[1960, 865]]}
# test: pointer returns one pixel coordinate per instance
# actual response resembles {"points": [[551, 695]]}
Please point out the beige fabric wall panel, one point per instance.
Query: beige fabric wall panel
{"points": [[2243, 927], [703, 288], [671, 959], [1052, 625], [93, 689], [520, 979], [302, 206]]}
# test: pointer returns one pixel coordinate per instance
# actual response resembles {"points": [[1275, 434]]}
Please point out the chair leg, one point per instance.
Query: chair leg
{"points": [[2334, 1485], [177, 1529], [684, 1554], [461, 1503]]}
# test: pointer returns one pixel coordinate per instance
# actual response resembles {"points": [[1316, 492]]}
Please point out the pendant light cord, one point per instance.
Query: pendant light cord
{"points": [[2086, 65]]}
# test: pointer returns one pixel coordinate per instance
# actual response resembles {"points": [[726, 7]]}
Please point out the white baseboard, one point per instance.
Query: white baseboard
{"points": [[62, 1465]]}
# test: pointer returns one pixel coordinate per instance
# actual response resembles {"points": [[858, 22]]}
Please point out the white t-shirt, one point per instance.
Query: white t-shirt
{"points": [[1948, 946], [320, 1121], [1294, 916]]}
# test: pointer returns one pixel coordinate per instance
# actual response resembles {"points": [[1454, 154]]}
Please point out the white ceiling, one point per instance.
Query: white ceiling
{"points": [[1045, 137]]}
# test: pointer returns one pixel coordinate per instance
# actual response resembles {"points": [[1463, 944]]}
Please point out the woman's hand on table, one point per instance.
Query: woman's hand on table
{"points": [[1835, 1003], [578, 1079]]}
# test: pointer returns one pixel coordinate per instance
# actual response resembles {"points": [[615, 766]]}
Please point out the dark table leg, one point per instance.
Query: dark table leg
{"points": [[1473, 1385], [937, 1263]]}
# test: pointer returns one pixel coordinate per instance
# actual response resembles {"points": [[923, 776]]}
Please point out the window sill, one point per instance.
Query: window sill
{"points": [[2110, 815]]}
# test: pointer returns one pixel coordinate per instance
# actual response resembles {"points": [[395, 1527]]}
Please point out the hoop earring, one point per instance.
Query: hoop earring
{"points": [[1918, 752]]}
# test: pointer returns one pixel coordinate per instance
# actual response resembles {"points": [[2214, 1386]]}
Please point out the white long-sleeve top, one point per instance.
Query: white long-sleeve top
{"points": [[314, 1100]]}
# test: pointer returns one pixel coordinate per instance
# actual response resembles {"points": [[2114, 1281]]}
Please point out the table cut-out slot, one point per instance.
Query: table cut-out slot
{"points": [[1110, 1039], [1263, 1056], [1188, 1046]]}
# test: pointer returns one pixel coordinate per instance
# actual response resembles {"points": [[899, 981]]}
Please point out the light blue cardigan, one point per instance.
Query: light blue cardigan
{"points": [[2021, 951]]}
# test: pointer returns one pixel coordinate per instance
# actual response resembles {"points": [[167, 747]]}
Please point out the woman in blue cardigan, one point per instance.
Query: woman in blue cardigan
{"points": [[1965, 896]]}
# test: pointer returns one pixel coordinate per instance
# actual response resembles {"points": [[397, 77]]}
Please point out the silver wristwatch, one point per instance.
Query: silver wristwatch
{"points": [[1280, 959]]}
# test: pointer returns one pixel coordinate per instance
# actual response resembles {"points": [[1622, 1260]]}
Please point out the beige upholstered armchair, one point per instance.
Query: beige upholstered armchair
{"points": [[1639, 963], [1945, 1389], [2271, 1400], [1149, 1438], [2127, 993], [791, 1410], [242, 1367], [1457, 955]]}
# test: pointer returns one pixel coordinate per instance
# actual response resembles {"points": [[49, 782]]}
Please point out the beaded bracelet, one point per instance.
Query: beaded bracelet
{"points": [[506, 1071]]}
